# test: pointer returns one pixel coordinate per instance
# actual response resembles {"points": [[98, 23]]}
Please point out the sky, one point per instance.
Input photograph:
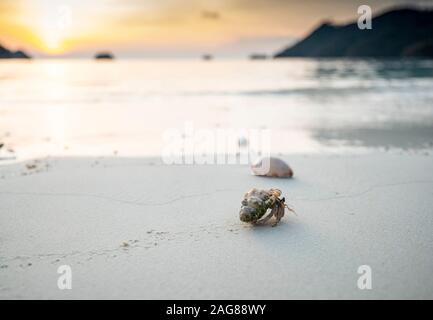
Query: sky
{"points": [[170, 28]]}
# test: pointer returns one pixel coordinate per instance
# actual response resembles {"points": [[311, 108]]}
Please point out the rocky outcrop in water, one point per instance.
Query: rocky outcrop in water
{"points": [[104, 56]]}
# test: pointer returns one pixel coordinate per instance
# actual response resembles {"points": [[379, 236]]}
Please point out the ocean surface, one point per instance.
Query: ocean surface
{"points": [[126, 107]]}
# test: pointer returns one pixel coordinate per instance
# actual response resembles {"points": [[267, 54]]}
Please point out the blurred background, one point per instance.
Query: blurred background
{"points": [[110, 77]]}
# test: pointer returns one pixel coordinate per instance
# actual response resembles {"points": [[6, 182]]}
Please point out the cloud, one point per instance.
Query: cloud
{"points": [[212, 15]]}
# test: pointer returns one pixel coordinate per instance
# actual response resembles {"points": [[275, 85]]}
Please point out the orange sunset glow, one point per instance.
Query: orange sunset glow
{"points": [[134, 27]]}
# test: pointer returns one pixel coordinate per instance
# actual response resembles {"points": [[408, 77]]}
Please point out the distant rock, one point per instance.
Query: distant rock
{"points": [[104, 56], [7, 54], [207, 57], [258, 56], [396, 33]]}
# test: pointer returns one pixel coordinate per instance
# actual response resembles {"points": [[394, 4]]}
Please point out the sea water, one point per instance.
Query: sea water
{"points": [[124, 107]]}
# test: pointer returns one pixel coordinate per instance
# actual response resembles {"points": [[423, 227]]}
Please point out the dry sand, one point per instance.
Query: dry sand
{"points": [[135, 228]]}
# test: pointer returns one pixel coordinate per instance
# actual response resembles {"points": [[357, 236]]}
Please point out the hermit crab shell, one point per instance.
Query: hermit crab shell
{"points": [[271, 167], [254, 205]]}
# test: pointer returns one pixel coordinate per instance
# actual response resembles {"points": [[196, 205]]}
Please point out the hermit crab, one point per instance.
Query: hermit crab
{"points": [[257, 202]]}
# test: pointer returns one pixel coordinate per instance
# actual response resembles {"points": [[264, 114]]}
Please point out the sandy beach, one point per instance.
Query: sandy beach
{"points": [[134, 134], [137, 228]]}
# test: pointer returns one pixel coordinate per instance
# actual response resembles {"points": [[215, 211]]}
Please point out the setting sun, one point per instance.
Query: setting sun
{"points": [[171, 28], [51, 41], [52, 24]]}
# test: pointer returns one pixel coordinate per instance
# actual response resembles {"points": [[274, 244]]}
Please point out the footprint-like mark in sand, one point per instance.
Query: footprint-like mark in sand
{"points": [[152, 239]]}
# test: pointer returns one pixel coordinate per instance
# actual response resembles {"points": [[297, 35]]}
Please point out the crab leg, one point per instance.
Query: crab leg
{"points": [[290, 209], [279, 214]]}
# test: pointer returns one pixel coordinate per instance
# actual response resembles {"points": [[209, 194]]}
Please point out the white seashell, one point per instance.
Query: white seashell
{"points": [[271, 167]]}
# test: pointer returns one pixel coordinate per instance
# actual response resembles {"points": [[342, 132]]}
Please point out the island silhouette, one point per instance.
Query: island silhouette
{"points": [[400, 32], [8, 54], [105, 55]]}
